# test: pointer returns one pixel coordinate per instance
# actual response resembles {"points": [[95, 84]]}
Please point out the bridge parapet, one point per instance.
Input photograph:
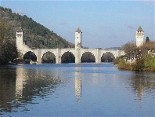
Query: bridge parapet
{"points": [[64, 50], [116, 53]]}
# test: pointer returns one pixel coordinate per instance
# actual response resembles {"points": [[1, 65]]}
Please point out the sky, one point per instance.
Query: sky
{"points": [[104, 23]]}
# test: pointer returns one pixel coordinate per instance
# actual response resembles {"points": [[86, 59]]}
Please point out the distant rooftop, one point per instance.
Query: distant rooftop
{"points": [[140, 29], [78, 30]]}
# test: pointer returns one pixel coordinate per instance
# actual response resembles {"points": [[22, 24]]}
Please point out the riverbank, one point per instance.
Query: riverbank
{"points": [[146, 63]]}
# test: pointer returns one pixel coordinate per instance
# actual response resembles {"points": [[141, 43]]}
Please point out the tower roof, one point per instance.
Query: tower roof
{"points": [[19, 30], [140, 29], [78, 30]]}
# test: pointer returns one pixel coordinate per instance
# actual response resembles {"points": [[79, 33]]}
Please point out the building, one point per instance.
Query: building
{"points": [[139, 37]]}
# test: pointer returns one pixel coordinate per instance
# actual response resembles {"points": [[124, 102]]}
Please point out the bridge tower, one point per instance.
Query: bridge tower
{"points": [[139, 37], [19, 39], [78, 45]]}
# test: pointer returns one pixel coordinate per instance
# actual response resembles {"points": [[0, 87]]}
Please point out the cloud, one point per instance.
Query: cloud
{"points": [[130, 26]]}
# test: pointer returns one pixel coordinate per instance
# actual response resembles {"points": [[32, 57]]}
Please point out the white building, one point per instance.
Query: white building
{"points": [[139, 37]]}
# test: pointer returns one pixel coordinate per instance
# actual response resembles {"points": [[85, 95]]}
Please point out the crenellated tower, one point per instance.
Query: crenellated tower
{"points": [[19, 39], [139, 37], [78, 38], [78, 45]]}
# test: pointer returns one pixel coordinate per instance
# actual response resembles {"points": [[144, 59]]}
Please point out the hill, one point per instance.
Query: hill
{"points": [[35, 34]]}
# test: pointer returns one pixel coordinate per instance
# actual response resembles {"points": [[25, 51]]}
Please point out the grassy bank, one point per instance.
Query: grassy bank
{"points": [[145, 63]]}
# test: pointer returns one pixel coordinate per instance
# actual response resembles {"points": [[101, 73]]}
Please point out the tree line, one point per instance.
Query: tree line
{"points": [[138, 58], [8, 51], [35, 34]]}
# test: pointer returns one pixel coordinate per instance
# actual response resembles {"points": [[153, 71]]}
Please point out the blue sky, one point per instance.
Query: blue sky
{"points": [[104, 23]]}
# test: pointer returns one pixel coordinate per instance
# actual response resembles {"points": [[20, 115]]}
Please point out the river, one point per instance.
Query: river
{"points": [[75, 90]]}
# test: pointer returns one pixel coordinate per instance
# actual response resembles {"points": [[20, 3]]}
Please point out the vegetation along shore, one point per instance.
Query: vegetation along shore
{"points": [[138, 58]]}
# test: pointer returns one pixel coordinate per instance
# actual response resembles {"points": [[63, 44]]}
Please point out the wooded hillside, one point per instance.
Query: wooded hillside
{"points": [[35, 34]]}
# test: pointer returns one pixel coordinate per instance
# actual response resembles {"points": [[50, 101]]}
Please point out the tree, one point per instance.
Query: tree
{"points": [[8, 50], [129, 47], [4, 32], [149, 46], [33, 30], [147, 39]]}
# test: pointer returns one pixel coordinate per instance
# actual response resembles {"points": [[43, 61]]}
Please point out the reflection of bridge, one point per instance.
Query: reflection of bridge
{"points": [[78, 51]]}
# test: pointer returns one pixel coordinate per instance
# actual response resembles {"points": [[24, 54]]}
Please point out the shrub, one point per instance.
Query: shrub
{"points": [[149, 62], [123, 65], [139, 65]]}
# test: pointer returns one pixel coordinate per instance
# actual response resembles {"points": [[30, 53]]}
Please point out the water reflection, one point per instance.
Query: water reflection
{"points": [[20, 81], [143, 83], [7, 88], [104, 88], [20, 86], [78, 84]]}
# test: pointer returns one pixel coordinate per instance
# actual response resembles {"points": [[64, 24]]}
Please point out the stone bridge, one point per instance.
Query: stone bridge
{"points": [[78, 51]]}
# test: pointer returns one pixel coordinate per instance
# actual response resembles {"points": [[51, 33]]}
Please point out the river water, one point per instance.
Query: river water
{"points": [[75, 90]]}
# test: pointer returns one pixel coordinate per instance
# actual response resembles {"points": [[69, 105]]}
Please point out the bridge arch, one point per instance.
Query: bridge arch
{"points": [[115, 53], [68, 57], [48, 57], [88, 57], [107, 57], [29, 56]]}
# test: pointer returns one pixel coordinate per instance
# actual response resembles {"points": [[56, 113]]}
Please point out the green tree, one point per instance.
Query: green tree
{"points": [[8, 50], [33, 30], [147, 39]]}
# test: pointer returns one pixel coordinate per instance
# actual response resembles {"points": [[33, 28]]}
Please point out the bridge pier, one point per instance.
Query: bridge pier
{"points": [[77, 56], [58, 56], [39, 57], [98, 56]]}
